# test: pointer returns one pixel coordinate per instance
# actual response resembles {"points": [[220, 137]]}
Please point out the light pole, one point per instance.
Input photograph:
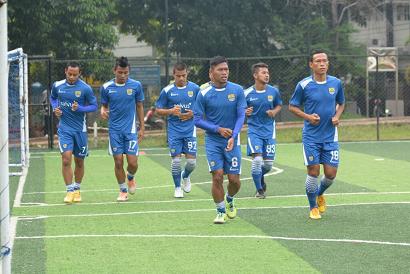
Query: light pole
{"points": [[166, 45]]}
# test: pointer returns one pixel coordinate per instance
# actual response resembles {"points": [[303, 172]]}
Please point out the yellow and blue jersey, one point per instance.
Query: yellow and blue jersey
{"points": [[122, 100]]}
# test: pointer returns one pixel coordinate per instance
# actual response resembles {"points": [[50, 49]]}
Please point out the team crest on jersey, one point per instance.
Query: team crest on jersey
{"points": [[190, 93], [77, 93], [270, 98], [129, 91], [231, 97], [256, 147], [332, 90], [311, 158], [114, 149], [212, 163], [173, 150], [65, 146]]}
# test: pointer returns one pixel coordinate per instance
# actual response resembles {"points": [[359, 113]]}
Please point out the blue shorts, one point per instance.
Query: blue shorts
{"points": [[321, 153], [219, 158], [75, 141], [185, 145], [123, 143], [266, 147]]}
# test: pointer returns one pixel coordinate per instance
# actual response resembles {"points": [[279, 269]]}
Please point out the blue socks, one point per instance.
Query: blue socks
{"points": [[311, 190], [256, 170], [176, 171], [325, 183]]}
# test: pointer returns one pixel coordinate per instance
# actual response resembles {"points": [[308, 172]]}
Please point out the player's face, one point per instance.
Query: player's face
{"points": [[319, 64], [220, 73], [121, 74], [180, 77], [72, 74], [262, 75]]}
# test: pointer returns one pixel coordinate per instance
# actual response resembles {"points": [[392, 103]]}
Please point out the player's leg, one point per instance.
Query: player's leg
{"points": [[131, 150], [175, 149], [254, 149], [116, 145], [66, 144], [311, 154], [214, 154], [269, 154], [330, 160], [232, 167], [80, 152], [189, 150]]}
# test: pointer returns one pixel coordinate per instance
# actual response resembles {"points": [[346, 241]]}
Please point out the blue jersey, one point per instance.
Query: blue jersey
{"points": [[122, 100], [185, 98], [260, 123], [66, 94], [220, 106], [319, 98]]}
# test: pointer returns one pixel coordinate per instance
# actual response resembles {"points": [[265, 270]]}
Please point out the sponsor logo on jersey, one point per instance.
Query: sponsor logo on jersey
{"points": [[252, 99], [174, 94], [190, 93], [129, 91], [66, 104], [332, 90], [111, 91], [231, 97], [311, 158], [61, 91], [77, 93], [270, 98]]}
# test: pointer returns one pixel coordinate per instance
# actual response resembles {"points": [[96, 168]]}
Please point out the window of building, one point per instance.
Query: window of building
{"points": [[403, 12]]}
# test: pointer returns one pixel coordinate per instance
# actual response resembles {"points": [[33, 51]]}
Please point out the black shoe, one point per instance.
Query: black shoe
{"points": [[260, 194]]}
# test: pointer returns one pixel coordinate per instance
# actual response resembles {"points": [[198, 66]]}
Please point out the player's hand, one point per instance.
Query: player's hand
{"points": [[225, 132], [187, 115], [176, 110], [314, 119], [58, 112], [74, 106], [335, 121], [249, 111], [141, 133], [271, 113], [105, 113], [229, 146]]}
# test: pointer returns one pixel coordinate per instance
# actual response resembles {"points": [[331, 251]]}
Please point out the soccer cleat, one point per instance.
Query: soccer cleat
{"points": [[260, 194], [230, 209], [186, 186], [122, 197], [314, 214], [321, 202], [178, 193], [69, 197], [263, 183], [132, 186], [220, 218], [77, 196]]}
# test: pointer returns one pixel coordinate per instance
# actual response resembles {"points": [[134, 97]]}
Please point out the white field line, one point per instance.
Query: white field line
{"points": [[274, 172], [110, 214], [259, 237], [34, 204], [20, 188]]}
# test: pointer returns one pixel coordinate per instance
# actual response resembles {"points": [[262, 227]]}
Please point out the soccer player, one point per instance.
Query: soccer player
{"points": [[71, 99], [322, 99], [264, 103], [220, 110], [121, 100], [177, 101]]}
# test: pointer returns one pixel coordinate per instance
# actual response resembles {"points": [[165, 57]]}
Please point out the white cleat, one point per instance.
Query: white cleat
{"points": [[186, 186], [178, 193]]}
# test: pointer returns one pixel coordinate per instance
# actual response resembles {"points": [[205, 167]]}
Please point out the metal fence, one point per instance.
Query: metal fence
{"points": [[362, 88]]}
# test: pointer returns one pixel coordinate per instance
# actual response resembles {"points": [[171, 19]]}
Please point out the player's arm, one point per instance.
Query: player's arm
{"points": [[340, 106], [140, 112], [199, 116], [54, 102], [272, 112], [176, 110], [295, 103]]}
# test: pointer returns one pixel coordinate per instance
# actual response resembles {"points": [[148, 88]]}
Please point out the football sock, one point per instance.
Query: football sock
{"points": [[256, 171], [130, 176], [77, 186], [325, 183], [311, 190], [267, 166], [123, 187], [176, 171], [189, 167], [220, 207], [70, 187], [229, 199]]}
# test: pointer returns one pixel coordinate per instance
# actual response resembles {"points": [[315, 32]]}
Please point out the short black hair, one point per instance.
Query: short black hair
{"points": [[257, 66], [217, 60], [179, 66], [73, 64], [316, 51], [121, 62]]}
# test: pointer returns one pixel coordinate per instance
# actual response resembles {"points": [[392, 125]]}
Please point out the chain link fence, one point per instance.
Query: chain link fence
{"points": [[362, 89]]}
